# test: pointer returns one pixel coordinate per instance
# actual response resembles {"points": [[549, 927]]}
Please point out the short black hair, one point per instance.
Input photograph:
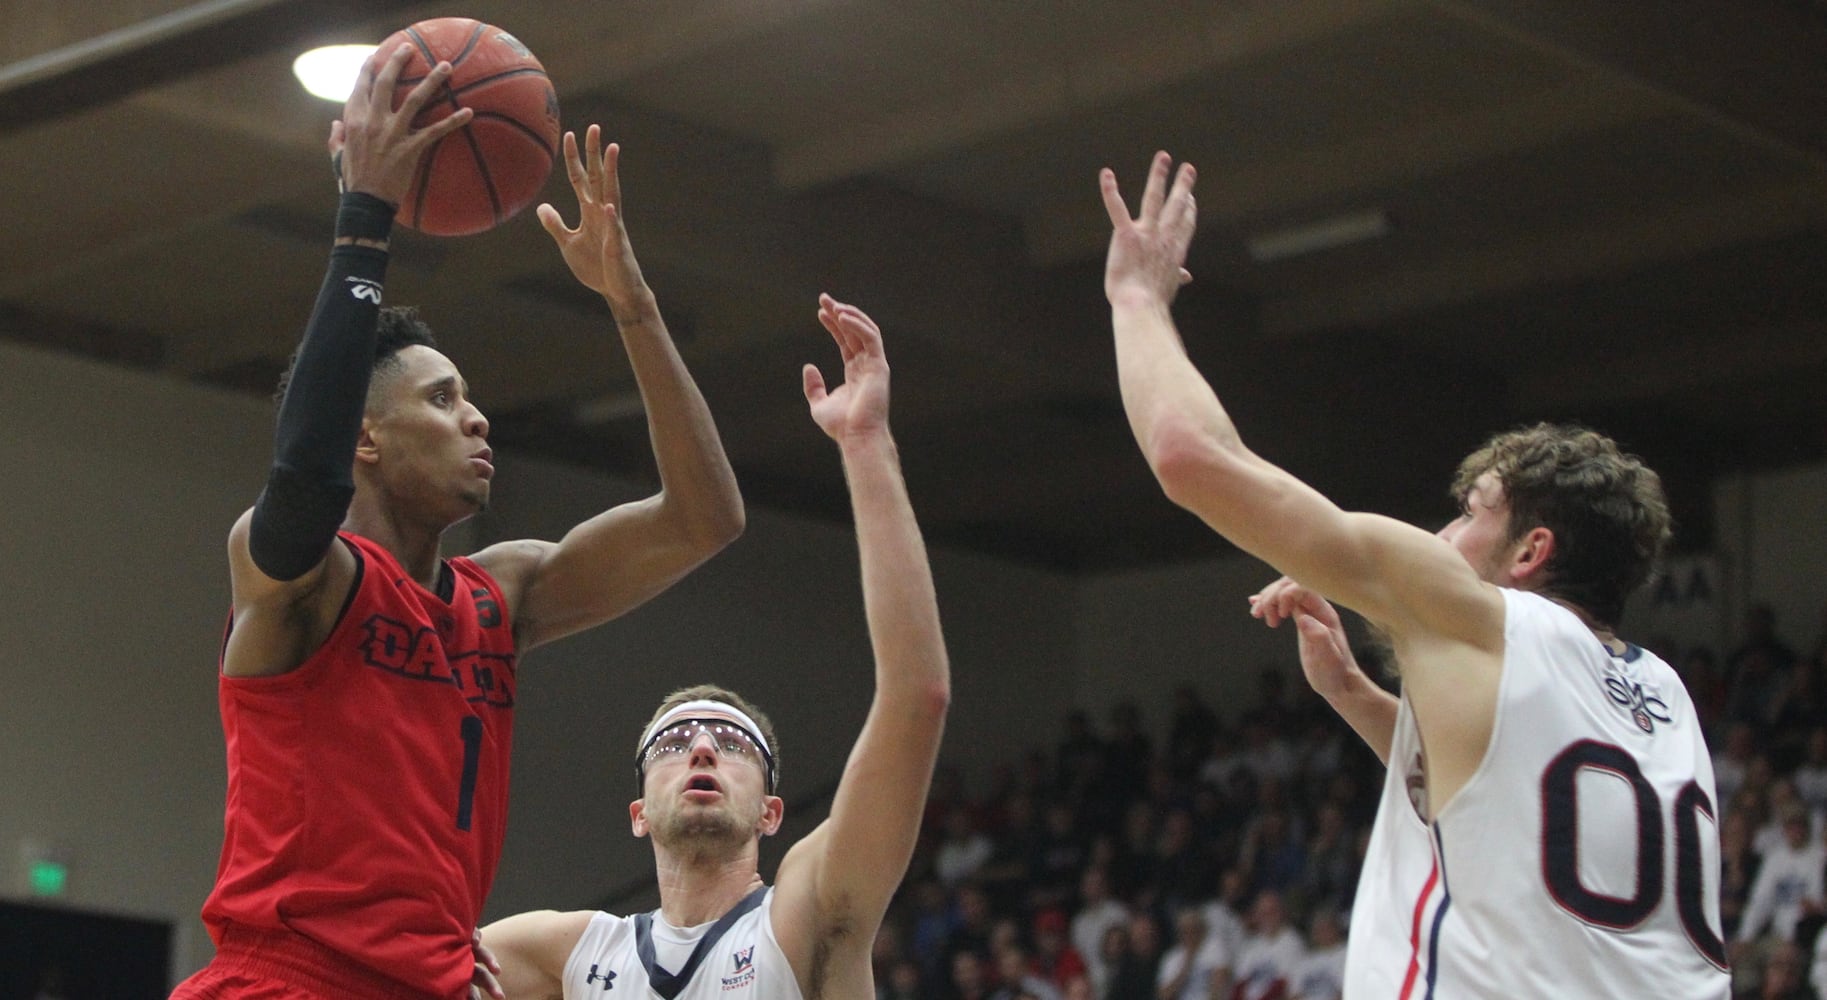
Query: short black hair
{"points": [[396, 328]]}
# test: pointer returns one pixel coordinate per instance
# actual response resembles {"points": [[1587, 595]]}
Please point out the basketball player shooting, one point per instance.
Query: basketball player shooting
{"points": [[367, 684], [707, 768], [1564, 814]]}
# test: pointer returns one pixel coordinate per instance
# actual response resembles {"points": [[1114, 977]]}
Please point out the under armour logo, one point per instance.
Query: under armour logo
{"points": [[608, 978], [364, 289]]}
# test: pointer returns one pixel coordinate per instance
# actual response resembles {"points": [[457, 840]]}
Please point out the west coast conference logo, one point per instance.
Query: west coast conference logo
{"points": [[745, 969]]}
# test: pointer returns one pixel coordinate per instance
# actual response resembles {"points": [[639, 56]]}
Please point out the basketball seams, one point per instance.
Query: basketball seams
{"points": [[482, 171], [468, 177], [422, 184], [518, 126], [475, 38]]}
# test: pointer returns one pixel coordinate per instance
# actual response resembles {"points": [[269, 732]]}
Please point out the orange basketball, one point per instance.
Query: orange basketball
{"points": [[482, 174]]}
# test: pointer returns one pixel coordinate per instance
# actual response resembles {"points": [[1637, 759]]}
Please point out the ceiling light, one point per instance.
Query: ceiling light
{"points": [[329, 72], [1354, 227]]}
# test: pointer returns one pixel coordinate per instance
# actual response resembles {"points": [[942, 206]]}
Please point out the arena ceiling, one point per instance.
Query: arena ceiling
{"points": [[1615, 212]]}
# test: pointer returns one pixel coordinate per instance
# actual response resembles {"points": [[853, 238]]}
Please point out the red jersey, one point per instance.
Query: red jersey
{"points": [[367, 789]]}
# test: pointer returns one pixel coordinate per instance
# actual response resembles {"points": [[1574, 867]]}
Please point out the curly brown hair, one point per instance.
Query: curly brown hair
{"points": [[1605, 507]]}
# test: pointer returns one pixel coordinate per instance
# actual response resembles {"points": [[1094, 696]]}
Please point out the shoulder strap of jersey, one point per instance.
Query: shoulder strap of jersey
{"points": [[670, 984]]}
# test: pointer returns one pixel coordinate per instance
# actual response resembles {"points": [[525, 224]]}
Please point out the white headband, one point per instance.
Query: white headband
{"points": [[699, 708]]}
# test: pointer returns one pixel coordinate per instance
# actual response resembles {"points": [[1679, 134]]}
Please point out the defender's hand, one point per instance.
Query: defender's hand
{"points": [[1325, 654], [597, 250], [1147, 254], [860, 405]]}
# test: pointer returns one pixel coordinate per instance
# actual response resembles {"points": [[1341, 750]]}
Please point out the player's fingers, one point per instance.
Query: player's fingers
{"points": [[827, 318], [574, 166], [430, 134], [1113, 199], [379, 96], [549, 219], [857, 313], [355, 106], [338, 136], [612, 172], [1156, 190], [866, 338], [813, 383], [1186, 277], [593, 156], [419, 96], [1181, 211]]}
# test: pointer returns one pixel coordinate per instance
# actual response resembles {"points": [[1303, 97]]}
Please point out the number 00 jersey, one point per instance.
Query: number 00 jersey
{"points": [[367, 789], [1581, 859]]}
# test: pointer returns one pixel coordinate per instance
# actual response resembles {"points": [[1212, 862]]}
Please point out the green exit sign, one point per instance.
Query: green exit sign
{"points": [[49, 878]]}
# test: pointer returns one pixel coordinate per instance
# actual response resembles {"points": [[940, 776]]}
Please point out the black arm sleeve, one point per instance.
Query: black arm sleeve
{"points": [[311, 482]]}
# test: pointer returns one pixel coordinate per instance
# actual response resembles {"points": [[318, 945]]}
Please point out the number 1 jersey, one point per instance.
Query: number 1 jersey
{"points": [[367, 789]]}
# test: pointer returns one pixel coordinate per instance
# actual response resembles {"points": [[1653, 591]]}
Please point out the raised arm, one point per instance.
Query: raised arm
{"points": [[622, 557], [1394, 574], [843, 873], [532, 949], [1327, 661], [287, 577]]}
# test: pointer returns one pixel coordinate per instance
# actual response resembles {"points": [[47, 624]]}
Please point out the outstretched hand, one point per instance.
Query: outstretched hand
{"points": [[374, 146], [860, 405], [597, 250], [1325, 654], [1147, 254]]}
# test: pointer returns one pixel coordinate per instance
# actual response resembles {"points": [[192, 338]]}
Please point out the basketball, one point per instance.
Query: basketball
{"points": [[482, 174]]}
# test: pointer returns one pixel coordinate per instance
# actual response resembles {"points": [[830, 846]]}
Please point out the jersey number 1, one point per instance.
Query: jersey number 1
{"points": [[1560, 847], [471, 732]]}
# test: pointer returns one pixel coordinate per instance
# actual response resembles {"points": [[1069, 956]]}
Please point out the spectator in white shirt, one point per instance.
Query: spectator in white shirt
{"points": [[1789, 884], [1321, 974], [963, 851], [1196, 967], [1271, 950], [1097, 913]]}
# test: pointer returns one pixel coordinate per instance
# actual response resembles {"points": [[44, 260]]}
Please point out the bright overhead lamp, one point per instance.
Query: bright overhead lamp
{"points": [[1338, 231], [330, 71]]}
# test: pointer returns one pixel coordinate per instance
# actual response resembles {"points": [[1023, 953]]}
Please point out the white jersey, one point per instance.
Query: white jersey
{"points": [[1581, 859], [642, 957], [1381, 959]]}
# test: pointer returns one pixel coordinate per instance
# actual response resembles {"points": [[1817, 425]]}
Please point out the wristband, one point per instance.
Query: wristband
{"points": [[363, 216]]}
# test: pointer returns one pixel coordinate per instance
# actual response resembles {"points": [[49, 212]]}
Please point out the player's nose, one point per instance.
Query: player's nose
{"points": [[475, 422], [703, 749]]}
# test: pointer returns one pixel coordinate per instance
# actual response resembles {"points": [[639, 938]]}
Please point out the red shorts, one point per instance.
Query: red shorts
{"points": [[275, 965]]}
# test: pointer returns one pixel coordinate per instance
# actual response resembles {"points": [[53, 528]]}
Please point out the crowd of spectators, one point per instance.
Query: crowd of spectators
{"points": [[1215, 857]]}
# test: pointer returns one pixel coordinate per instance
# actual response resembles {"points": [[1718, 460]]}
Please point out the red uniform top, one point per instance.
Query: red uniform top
{"points": [[367, 789]]}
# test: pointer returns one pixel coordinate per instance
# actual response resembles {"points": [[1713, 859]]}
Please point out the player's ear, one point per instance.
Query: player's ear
{"points": [[773, 810], [366, 449], [637, 817], [1529, 558]]}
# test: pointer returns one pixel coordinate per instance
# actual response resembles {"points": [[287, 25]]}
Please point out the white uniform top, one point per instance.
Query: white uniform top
{"points": [[1394, 885], [1581, 859], [642, 957]]}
